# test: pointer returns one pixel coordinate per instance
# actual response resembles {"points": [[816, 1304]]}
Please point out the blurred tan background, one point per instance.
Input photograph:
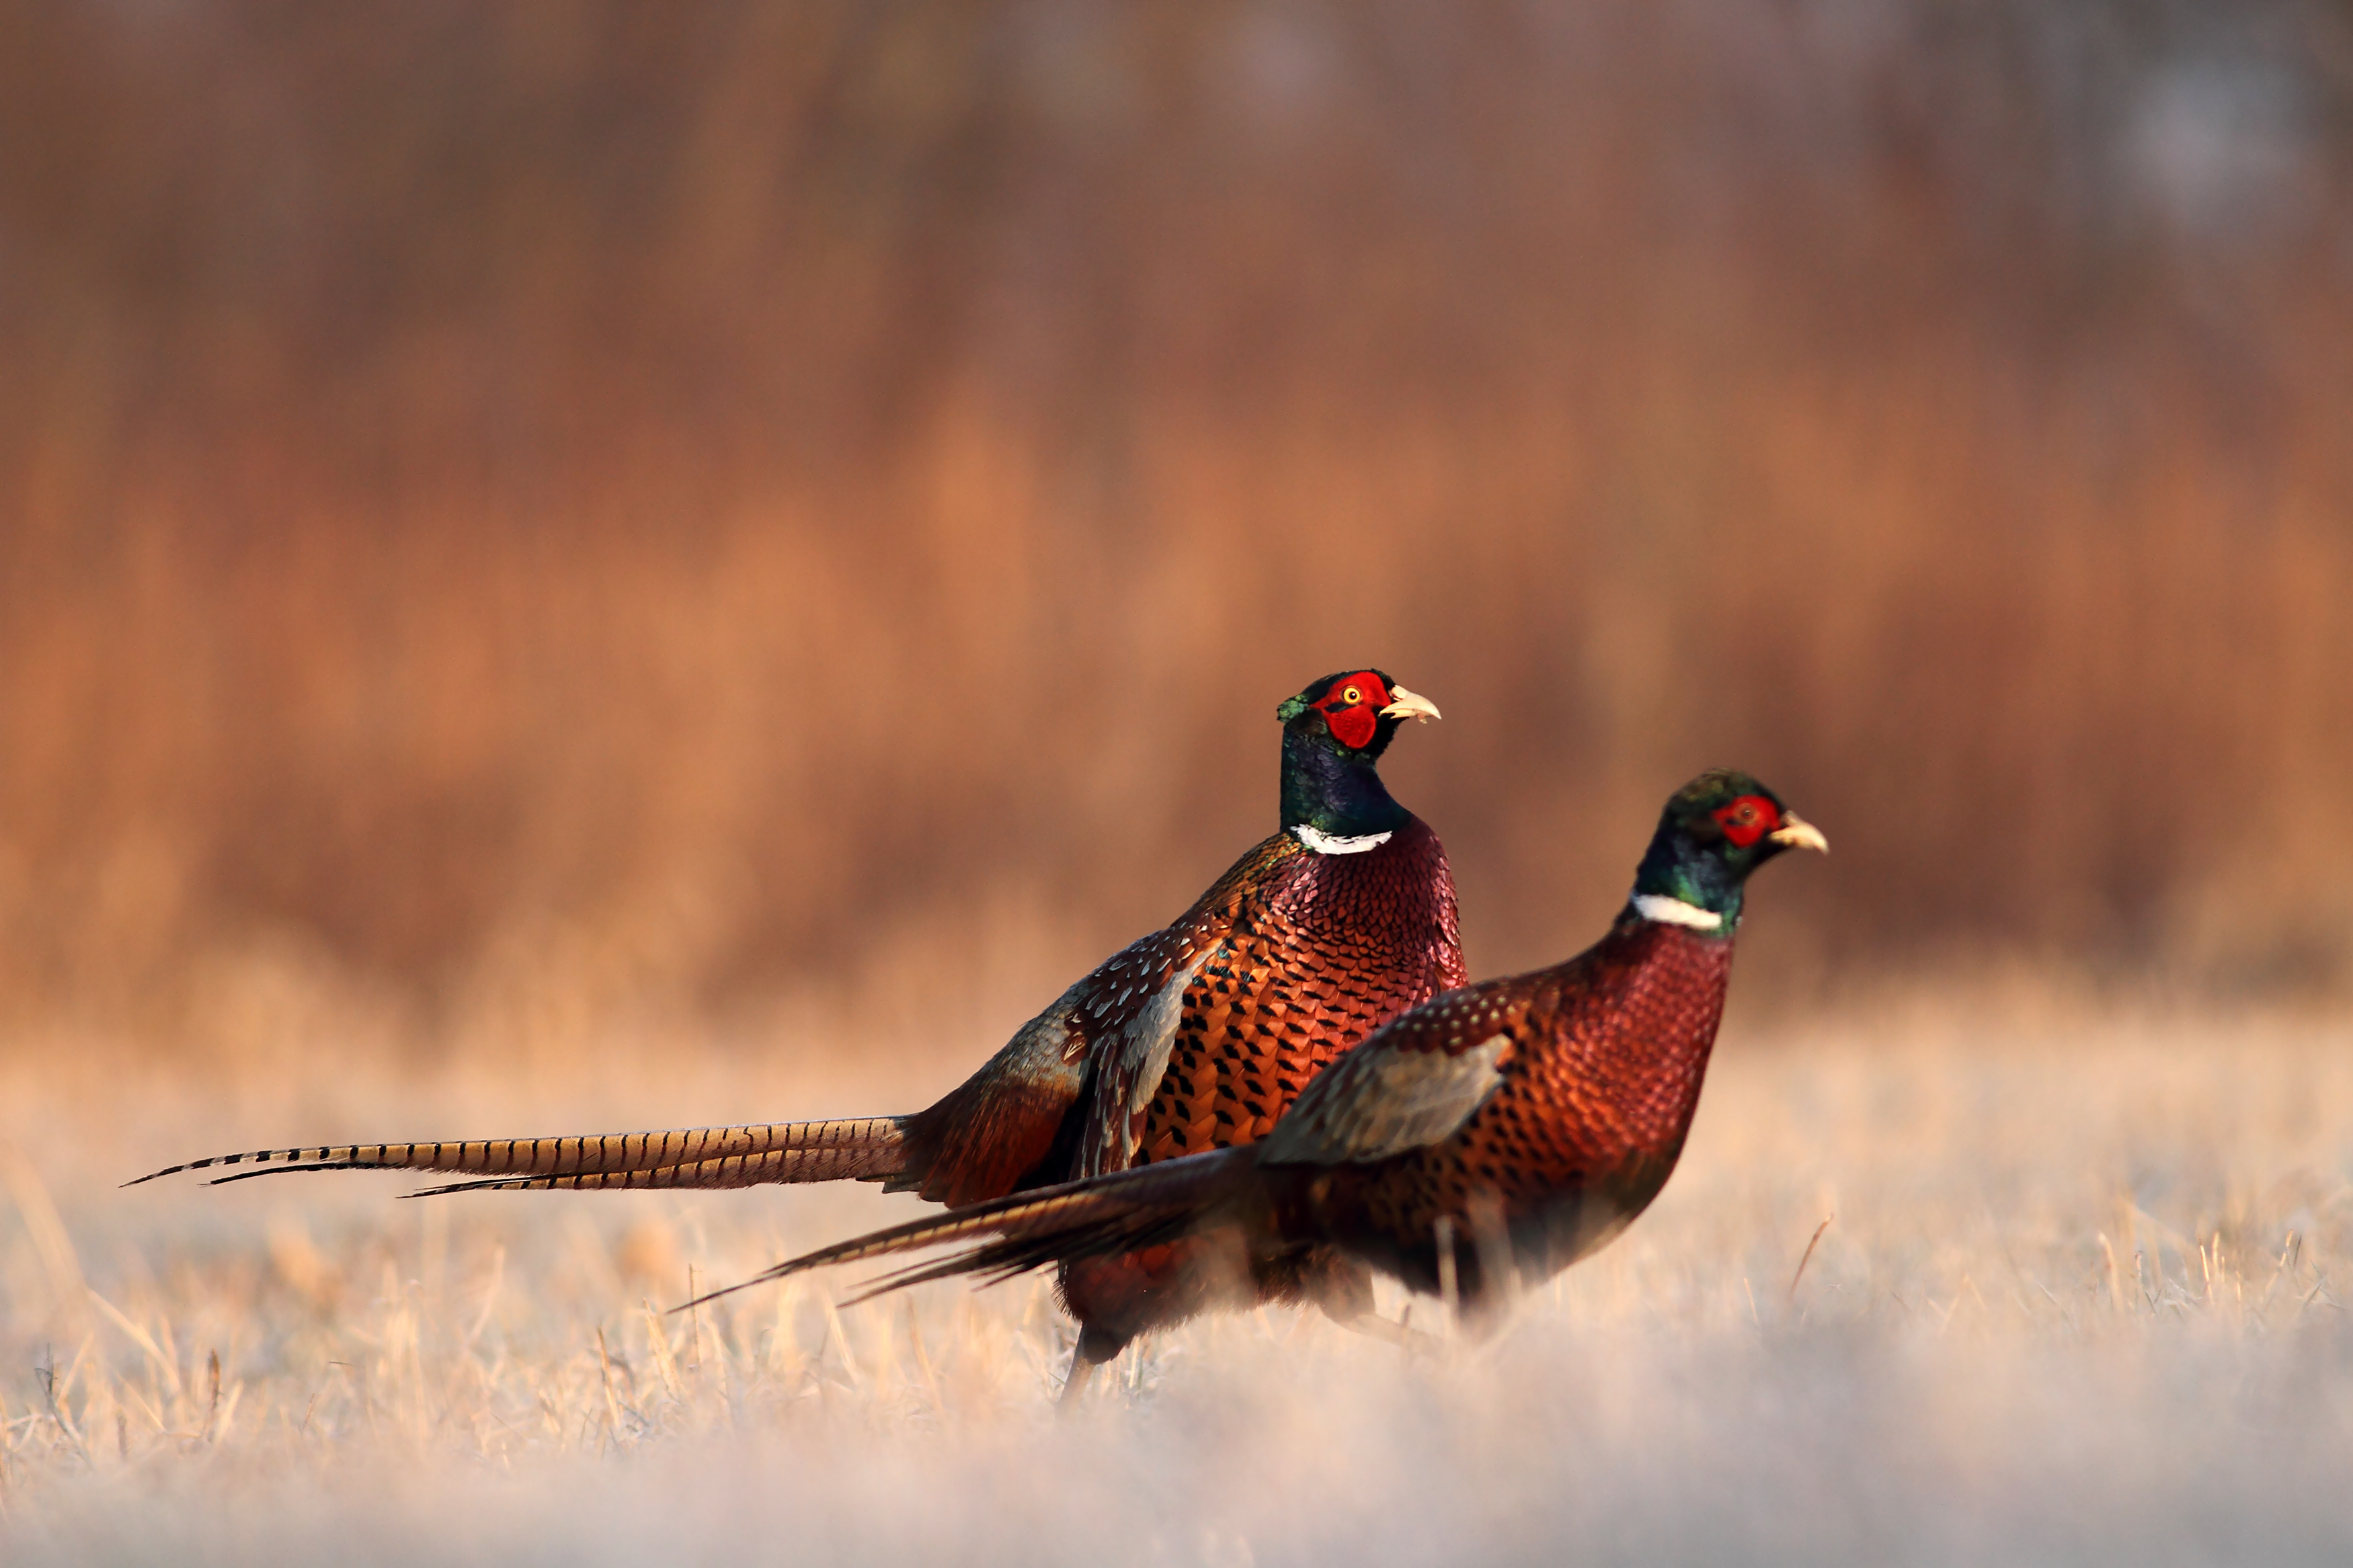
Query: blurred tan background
{"points": [[514, 517]]}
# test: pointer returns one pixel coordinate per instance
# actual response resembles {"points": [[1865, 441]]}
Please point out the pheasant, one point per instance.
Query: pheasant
{"points": [[1490, 1136], [1195, 1037]]}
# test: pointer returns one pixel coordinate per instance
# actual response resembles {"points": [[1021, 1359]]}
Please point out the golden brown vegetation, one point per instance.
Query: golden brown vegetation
{"points": [[545, 507], [571, 565]]}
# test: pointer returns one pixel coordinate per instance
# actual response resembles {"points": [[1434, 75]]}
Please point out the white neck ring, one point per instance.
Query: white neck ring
{"points": [[1675, 913], [1333, 843]]}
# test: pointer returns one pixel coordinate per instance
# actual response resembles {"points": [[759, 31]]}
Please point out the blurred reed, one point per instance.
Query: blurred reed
{"points": [[557, 502]]}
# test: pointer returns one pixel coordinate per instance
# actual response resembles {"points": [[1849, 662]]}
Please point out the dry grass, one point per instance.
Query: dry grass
{"points": [[2080, 1300], [563, 571]]}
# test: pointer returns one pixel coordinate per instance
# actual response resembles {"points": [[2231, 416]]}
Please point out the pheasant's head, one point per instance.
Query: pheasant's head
{"points": [[1356, 712], [1716, 830], [1332, 734]]}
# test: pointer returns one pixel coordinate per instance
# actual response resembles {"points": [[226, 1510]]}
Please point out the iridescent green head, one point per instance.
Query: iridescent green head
{"points": [[1334, 734], [1715, 832]]}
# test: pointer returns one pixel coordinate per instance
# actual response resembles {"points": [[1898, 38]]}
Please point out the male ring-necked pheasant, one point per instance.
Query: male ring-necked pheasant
{"points": [[1506, 1129], [1196, 1037]]}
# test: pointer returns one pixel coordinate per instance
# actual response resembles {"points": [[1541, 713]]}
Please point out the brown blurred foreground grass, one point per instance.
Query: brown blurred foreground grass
{"points": [[2082, 1300]]}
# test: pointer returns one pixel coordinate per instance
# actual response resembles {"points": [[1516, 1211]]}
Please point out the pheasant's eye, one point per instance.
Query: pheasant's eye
{"points": [[1352, 697], [1747, 819]]}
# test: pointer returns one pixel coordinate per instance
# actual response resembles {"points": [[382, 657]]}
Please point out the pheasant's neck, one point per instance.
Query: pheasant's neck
{"points": [[1338, 795], [1679, 883], [1665, 986]]}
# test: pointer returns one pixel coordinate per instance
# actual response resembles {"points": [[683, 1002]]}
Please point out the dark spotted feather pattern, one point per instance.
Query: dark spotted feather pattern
{"points": [[1595, 1093], [1299, 955], [1319, 953], [1496, 1132], [1311, 952], [1576, 1088], [1195, 1036], [1194, 1039]]}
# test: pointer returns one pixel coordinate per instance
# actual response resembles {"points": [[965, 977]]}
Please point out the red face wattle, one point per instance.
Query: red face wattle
{"points": [[1747, 819], [1352, 705]]}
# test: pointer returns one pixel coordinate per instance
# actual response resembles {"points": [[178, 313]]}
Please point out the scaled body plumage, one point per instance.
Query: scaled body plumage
{"points": [[1510, 1126], [1194, 1039]]}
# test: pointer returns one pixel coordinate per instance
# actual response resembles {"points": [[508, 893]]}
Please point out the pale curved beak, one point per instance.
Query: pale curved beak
{"points": [[1797, 833], [1404, 704]]}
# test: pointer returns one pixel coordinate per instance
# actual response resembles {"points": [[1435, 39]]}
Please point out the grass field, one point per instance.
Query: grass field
{"points": [[2078, 1298], [594, 566]]}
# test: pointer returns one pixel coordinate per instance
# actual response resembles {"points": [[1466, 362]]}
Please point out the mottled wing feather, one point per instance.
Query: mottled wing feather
{"points": [[1003, 1127], [1412, 1083], [1400, 1100], [1131, 1066]]}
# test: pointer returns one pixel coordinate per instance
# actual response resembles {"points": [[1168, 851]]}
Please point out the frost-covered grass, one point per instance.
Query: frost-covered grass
{"points": [[2078, 1300]]}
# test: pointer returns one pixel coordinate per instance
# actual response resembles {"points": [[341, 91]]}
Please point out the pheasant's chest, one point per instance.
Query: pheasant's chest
{"points": [[1379, 903], [1295, 984]]}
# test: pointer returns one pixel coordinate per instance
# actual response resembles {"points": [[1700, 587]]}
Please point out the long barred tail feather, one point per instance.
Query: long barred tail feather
{"points": [[863, 1148], [871, 1158], [1103, 1216]]}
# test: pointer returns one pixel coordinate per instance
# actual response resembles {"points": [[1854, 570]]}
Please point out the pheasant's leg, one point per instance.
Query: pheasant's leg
{"points": [[1094, 1348], [1074, 1384], [1405, 1336], [1343, 1288]]}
